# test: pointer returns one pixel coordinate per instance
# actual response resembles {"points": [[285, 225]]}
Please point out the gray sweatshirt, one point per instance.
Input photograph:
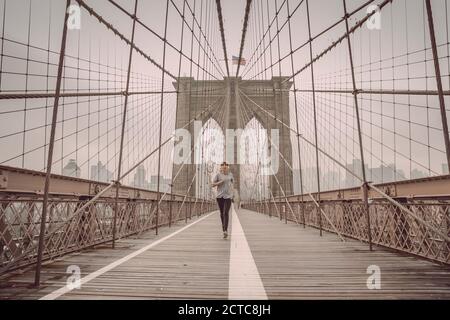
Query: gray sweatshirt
{"points": [[225, 189]]}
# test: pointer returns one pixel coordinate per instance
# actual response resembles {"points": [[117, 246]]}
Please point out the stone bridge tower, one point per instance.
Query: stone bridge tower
{"points": [[272, 95]]}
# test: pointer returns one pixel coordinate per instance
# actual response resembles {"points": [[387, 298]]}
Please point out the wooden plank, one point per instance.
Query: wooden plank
{"points": [[293, 263], [193, 264], [296, 263]]}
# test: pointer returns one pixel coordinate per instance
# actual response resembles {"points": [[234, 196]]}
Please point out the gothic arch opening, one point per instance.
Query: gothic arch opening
{"points": [[253, 153], [210, 153]]}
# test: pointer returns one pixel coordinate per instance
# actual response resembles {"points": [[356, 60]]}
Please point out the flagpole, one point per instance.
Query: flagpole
{"points": [[235, 61]]}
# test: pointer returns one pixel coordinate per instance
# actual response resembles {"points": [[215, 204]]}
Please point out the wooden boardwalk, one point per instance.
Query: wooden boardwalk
{"points": [[273, 259]]}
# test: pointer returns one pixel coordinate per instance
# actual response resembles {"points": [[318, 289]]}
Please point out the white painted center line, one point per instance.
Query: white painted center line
{"points": [[244, 279], [57, 293]]}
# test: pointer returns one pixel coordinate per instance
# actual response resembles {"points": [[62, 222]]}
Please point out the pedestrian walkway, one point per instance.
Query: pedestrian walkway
{"points": [[264, 258]]}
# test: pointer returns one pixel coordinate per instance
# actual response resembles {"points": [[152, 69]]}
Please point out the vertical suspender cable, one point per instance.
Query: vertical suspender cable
{"points": [[62, 53], [439, 81], [315, 116], [124, 119], [244, 31], [161, 120], [358, 121]]}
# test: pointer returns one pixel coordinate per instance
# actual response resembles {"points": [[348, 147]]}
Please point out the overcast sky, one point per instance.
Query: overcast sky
{"points": [[404, 131]]}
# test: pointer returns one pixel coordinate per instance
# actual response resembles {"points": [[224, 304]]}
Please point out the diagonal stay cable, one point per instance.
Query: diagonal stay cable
{"points": [[121, 8], [195, 22], [269, 140], [301, 46], [244, 31], [284, 194], [220, 108], [193, 179], [222, 33], [197, 38], [371, 185], [108, 25], [358, 25], [102, 192]]}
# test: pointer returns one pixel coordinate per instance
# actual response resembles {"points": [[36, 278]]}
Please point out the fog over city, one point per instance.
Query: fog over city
{"points": [[401, 133]]}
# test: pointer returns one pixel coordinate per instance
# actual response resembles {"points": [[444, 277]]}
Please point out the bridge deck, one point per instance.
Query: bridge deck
{"points": [[193, 261]]}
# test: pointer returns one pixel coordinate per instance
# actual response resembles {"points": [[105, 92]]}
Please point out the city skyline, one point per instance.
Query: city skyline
{"points": [[402, 129]]}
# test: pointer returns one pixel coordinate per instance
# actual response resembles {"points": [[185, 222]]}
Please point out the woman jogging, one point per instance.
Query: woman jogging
{"points": [[224, 183]]}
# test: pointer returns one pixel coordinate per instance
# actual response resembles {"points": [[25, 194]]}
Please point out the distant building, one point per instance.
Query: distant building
{"points": [[164, 184], [417, 174], [381, 174], [72, 169], [100, 173], [445, 168], [384, 174], [356, 168], [400, 175], [139, 180], [330, 180], [389, 174]]}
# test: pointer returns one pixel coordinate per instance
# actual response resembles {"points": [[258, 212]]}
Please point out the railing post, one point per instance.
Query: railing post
{"points": [[185, 213], [122, 136], [281, 213], [358, 121], [285, 212], [303, 212], [439, 82], [201, 208], [170, 206], [37, 278], [195, 207]]}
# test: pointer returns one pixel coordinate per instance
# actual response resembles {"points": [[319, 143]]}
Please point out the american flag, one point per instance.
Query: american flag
{"points": [[236, 61]]}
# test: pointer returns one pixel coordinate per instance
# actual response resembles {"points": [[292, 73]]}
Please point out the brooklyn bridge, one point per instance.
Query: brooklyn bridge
{"points": [[333, 115]]}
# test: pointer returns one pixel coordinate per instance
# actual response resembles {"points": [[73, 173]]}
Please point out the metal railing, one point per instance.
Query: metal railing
{"points": [[65, 233], [390, 226], [70, 229]]}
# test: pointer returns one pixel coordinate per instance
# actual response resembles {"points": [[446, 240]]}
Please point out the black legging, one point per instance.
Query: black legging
{"points": [[224, 207]]}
